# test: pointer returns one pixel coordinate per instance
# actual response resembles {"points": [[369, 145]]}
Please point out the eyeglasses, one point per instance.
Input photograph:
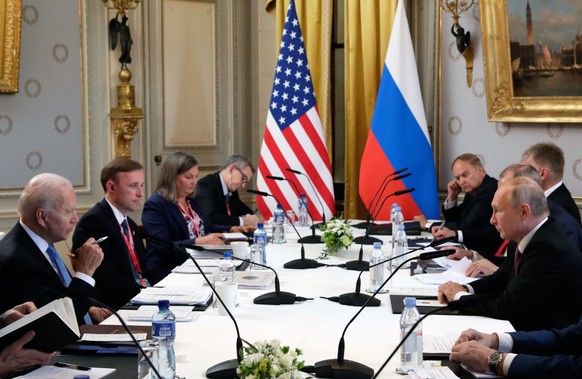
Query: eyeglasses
{"points": [[245, 179]]}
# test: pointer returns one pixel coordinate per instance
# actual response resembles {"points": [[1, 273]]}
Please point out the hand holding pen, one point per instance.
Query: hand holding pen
{"points": [[88, 257]]}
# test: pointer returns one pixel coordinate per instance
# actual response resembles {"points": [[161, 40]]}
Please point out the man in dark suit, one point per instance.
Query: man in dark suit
{"points": [[548, 160], [120, 276], [218, 198], [542, 287], [469, 221], [29, 264], [533, 355]]}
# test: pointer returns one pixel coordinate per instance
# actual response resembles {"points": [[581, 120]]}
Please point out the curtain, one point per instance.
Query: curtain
{"points": [[316, 19], [367, 32]]}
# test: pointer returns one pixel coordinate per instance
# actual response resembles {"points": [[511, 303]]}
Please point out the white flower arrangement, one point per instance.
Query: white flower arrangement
{"points": [[337, 234], [269, 360]]}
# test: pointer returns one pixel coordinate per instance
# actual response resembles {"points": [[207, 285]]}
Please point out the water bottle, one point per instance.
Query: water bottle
{"points": [[376, 273], [393, 212], [397, 220], [226, 268], [164, 331], [411, 349], [400, 246], [259, 242], [303, 214], [279, 225]]}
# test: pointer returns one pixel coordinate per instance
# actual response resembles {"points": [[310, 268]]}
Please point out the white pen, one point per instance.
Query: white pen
{"points": [[96, 242]]}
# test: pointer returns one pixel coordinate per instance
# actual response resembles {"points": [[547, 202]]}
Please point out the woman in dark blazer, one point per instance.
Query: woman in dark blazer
{"points": [[171, 214]]}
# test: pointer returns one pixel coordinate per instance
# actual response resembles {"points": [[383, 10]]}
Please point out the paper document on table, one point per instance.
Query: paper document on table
{"points": [[113, 337], [207, 265], [53, 372], [176, 295], [146, 312], [455, 274], [441, 372], [438, 344]]}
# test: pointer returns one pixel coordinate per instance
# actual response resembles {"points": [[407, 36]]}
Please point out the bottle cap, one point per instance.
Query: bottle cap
{"points": [[377, 245], [260, 225], [401, 227], [228, 254], [279, 206], [163, 304], [410, 302]]}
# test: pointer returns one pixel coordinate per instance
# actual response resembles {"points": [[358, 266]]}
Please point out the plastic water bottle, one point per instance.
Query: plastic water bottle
{"points": [[260, 240], [226, 268], [397, 220], [376, 273], [164, 331], [411, 349], [400, 246], [279, 225], [393, 212], [303, 214]]}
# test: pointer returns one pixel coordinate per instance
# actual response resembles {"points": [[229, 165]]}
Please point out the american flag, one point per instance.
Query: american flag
{"points": [[293, 135]]}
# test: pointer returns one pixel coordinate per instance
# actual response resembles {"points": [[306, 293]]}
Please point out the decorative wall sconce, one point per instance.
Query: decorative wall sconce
{"points": [[455, 8], [125, 117]]}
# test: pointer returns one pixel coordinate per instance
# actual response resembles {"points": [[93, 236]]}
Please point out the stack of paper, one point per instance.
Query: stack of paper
{"points": [[145, 313], [176, 295]]}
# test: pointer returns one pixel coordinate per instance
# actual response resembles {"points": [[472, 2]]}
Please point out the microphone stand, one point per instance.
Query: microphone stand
{"points": [[226, 369], [313, 238], [357, 298], [371, 210], [271, 298], [296, 264], [341, 368], [360, 264]]}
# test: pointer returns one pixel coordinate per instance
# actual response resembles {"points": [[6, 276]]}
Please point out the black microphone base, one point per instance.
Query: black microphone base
{"points": [[302, 264], [310, 239], [358, 265], [332, 368], [223, 370], [274, 298], [358, 299], [366, 240]]}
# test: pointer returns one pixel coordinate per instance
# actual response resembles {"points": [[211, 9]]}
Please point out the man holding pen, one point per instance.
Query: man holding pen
{"points": [[218, 198]]}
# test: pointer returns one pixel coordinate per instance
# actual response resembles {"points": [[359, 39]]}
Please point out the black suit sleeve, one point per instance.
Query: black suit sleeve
{"points": [[212, 203]]}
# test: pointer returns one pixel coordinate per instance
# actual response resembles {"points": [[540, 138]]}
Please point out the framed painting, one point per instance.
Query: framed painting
{"points": [[532, 51], [10, 20]]}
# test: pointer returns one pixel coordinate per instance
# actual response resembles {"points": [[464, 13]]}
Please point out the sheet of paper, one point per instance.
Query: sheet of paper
{"points": [[145, 313], [53, 372], [113, 337], [454, 274], [176, 295], [441, 372], [436, 344]]}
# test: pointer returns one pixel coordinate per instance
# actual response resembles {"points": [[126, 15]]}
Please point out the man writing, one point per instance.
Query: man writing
{"points": [[539, 285], [29, 264], [120, 276], [218, 198]]}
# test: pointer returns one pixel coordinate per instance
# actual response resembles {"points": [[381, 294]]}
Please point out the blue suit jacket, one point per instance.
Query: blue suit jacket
{"points": [[164, 221], [548, 354]]}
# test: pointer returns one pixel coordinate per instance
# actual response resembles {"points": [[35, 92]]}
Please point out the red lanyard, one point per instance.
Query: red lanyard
{"points": [[193, 217], [129, 244]]}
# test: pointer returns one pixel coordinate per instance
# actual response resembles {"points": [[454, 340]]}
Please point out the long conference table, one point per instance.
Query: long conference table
{"points": [[315, 325]]}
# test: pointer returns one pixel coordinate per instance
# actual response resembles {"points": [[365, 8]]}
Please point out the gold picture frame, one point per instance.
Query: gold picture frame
{"points": [[502, 104], [10, 21]]}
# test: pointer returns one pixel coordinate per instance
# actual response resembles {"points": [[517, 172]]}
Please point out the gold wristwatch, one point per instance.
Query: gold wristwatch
{"points": [[494, 360]]}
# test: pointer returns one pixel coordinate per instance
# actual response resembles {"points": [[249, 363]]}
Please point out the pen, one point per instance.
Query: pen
{"points": [[72, 366], [96, 242]]}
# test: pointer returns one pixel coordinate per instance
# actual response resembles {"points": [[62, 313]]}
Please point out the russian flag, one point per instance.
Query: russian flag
{"points": [[398, 135]]}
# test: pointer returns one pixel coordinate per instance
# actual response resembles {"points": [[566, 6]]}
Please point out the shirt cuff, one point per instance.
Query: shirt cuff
{"points": [[505, 342], [476, 256], [240, 221], [507, 363], [86, 278], [460, 294], [459, 236], [449, 204]]}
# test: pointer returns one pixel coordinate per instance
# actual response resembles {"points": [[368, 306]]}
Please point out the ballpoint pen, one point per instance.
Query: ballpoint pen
{"points": [[96, 242], [72, 366]]}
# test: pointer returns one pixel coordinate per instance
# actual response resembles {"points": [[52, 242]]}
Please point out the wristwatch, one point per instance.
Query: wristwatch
{"points": [[494, 360]]}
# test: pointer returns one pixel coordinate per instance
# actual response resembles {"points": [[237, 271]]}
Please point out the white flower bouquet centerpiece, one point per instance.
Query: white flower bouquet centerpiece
{"points": [[337, 234], [269, 360]]}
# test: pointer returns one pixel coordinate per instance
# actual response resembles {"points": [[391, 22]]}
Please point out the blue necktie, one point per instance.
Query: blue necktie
{"points": [[63, 273]]}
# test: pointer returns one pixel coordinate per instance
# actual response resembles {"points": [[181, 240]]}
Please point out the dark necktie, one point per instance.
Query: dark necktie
{"points": [[227, 201], [517, 258], [125, 228]]}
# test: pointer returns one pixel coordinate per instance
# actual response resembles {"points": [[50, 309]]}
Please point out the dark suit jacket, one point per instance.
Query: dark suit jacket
{"points": [[472, 218], [114, 278], [164, 221], [25, 275], [548, 354], [212, 202], [545, 293], [570, 226], [563, 197]]}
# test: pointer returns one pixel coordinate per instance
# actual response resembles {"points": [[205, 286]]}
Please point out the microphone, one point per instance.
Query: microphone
{"points": [[381, 188], [357, 298], [360, 264], [314, 191], [114, 312], [272, 298], [463, 302], [226, 369], [313, 238], [340, 367], [296, 264]]}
